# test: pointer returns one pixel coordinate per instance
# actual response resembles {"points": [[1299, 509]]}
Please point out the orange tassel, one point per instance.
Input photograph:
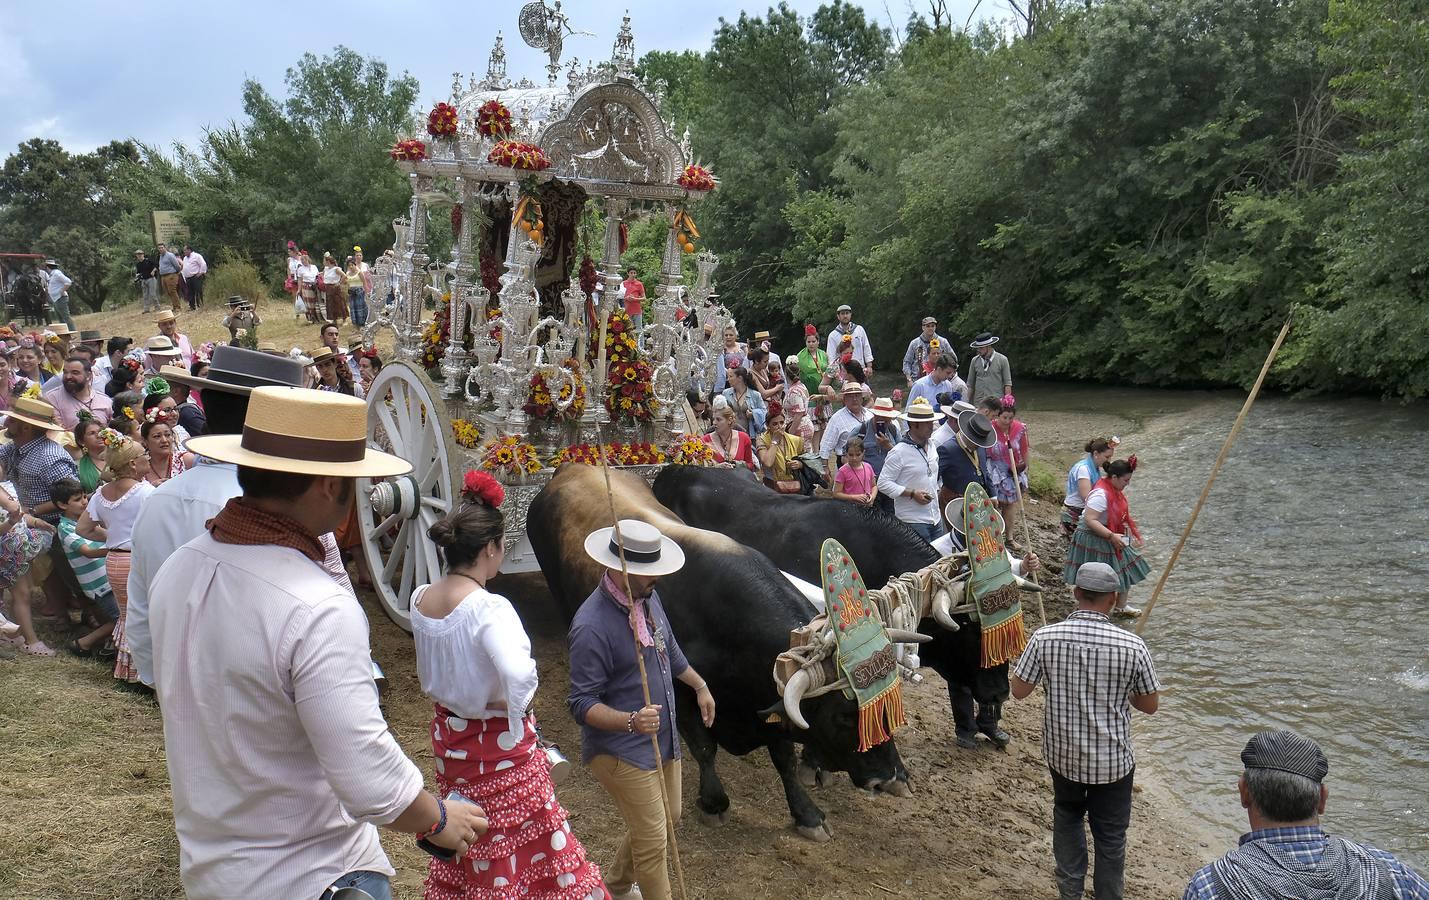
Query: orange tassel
{"points": [[1003, 642], [880, 717]]}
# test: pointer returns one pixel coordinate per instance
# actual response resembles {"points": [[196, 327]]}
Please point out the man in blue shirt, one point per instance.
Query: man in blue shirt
{"points": [[942, 380], [608, 700], [169, 268], [1287, 853]]}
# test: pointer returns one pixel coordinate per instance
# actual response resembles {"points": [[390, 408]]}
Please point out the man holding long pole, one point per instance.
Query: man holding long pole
{"points": [[622, 699]]}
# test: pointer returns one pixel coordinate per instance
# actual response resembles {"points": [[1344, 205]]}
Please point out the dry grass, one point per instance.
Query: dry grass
{"points": [[278, 326]]}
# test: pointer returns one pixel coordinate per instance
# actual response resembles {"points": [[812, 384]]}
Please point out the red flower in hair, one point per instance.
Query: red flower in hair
{"points": [[810, 330], [1131, 462], [481, 487]]}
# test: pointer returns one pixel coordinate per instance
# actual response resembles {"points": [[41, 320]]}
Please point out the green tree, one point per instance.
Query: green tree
{"points": [[63, 205]]}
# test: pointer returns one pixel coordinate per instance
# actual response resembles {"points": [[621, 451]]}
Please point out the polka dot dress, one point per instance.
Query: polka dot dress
{"points": [[529, 850]]}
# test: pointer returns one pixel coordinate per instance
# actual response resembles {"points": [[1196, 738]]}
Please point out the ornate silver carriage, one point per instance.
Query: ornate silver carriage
{"points": [[474, 365]]}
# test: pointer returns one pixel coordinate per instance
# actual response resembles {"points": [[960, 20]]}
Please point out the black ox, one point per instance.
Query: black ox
{"points": [[732, 612], [789, 529]]}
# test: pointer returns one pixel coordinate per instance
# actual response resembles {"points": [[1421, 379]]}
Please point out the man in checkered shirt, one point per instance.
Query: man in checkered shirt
{"points": [[1287, 853], [1095, 672]]}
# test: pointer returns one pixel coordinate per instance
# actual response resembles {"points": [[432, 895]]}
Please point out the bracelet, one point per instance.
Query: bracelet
{"points": [[440, 823], [704, 686], [630, 722]]}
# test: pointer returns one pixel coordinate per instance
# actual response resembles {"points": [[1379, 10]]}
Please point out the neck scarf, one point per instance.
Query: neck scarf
{"points": [[1118, 514], [243, 522], [1260, 870], [636, 609], [1073, 477]]}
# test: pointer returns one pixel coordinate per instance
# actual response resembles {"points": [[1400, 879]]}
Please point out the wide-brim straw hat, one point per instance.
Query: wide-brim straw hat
{"points": [[920, 410], [90, 335], [35, 412], [235, 370], [647, 551], [60, 329], [321, 355], [167, 315], [305, 432], [957, 408], [953, 512], [852, 387], [986, 339], [883, 408], [159, 345], [977, 428], [761, 335]]}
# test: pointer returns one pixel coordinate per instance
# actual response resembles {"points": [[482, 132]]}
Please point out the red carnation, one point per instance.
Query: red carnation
{"points": [[481, 487]]}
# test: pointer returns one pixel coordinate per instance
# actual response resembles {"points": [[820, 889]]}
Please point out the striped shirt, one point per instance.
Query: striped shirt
{"points": [[90, 571], [1305, 845], [1091, 669]]}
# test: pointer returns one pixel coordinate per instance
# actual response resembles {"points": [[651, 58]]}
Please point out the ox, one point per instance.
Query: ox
{"points": [[789, 529], [732, 612]]}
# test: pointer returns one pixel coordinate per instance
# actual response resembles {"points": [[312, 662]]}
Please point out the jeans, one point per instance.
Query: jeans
{"points": [[640, 858], [374, 883], [1107, 809], [149, 291], [61, 307], [357, 300], [928, 531], [195, 286]]}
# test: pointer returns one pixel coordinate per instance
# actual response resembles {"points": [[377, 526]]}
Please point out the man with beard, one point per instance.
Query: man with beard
{"points": [[73, 392]]}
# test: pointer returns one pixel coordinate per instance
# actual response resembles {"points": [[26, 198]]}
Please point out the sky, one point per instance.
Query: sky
{"points": [[84, 72]]}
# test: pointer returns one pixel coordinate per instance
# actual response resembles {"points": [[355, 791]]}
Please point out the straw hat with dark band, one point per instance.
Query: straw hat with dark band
{"points": [[647, 551], [35, 412], [305, 432]]}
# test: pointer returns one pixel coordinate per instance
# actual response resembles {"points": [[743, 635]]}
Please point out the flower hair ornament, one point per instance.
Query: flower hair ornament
{"points": [[52, 338], [110, 437], [152, 415], [33, 391], [479, 487], [1009, 401], [1113, 442], [27, 342], [1131, 462], [128, 413], [156, 386]]}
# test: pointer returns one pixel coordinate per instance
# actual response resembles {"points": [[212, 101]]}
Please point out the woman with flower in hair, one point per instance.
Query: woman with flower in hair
{"points": [[27, 361], [166, 457], [128, 415], [474, 661], [91, 450], [159, 403], [1108, 534], [109, 518], [54, 361], [1009, 453], [1083, 475]]}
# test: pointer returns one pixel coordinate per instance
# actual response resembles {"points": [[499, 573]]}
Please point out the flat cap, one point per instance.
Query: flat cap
{"points": [[844, 307], [1097, 577], [929, 320], [1285, 751]]}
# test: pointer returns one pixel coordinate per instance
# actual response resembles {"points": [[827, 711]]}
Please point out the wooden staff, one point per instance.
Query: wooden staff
{"points": [[1026, 531], [640, 662], [1215, 470]]}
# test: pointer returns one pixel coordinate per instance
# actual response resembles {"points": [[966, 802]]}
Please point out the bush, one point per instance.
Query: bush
{"points": [[235, 276], [1043, 483]]}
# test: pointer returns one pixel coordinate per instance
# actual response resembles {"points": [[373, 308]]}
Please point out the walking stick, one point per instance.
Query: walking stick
{"points": [[1215, 470], [640, 662], [1026, 531]]}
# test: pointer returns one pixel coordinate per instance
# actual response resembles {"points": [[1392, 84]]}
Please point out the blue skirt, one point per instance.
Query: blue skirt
{"points": [[1086, 547]]}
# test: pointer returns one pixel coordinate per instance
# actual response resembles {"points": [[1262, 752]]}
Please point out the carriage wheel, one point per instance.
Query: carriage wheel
{"points": [[404, 417]]}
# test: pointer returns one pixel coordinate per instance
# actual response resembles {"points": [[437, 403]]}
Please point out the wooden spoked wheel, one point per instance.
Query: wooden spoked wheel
{"points": [[405, 418]]}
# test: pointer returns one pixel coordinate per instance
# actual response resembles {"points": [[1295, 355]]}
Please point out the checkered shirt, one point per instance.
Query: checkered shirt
{"points": [[1305, 844], [1090, 668], [34, 468]]}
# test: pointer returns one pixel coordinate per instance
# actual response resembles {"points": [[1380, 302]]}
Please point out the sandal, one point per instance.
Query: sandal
{"points": [[74, 647], [39, 648]]}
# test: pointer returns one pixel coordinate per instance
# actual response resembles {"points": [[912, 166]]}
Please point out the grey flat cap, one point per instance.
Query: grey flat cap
{"points": [[1285, 751], [1097, 577]]}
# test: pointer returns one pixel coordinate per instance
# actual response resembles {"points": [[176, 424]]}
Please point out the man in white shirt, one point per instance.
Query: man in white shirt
{"points": [[57, 284], [194, 270], [859, 340], [910, 473], [168, 322], [280, 761], [104, 366], [179, 509], [842, 424]]}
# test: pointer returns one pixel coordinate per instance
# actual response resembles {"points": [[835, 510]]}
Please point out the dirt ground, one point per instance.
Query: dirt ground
{"points": [[87, 815]]}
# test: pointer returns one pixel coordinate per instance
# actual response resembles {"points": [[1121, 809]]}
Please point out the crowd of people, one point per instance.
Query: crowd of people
{"points": [[94, 426]]}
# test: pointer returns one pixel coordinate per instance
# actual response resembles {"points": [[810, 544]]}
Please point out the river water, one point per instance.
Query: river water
{"points": [[1299, 601]]}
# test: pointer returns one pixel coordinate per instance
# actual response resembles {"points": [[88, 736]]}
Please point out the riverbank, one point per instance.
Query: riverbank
{"points": [[87, 806]]}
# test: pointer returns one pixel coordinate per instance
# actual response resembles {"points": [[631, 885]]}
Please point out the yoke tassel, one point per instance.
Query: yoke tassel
{"points": [[878, 718], [1003, 641]]}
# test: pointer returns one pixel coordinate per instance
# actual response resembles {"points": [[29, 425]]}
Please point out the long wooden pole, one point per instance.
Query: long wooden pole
{"points": [[640, 663], [1215, 470], [1026, 531]]}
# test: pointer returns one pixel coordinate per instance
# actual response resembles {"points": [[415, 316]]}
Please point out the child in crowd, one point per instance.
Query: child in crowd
{"points": [[855, 480], [86, 558], [22, 539]]}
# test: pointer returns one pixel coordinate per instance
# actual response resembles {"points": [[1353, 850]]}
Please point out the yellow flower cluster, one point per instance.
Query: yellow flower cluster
{"points": [[511, 455], [466, 434]]}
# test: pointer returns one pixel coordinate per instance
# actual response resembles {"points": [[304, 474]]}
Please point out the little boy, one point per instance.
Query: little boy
{"points": [[86, 558]]}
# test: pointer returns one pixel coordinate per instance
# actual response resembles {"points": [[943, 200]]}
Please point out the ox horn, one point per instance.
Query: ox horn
{"points": [[1026, 585], [794, 693], [899, 636], [942, 610]]}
